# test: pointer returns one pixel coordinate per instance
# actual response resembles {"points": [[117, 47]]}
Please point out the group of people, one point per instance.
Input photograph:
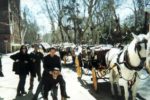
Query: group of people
{"points": [[25, 63]]}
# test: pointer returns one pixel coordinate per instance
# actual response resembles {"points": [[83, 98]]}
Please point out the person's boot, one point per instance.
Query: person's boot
{"points": [[18, 93], [23, 92], [65, 96], [63, 92]]}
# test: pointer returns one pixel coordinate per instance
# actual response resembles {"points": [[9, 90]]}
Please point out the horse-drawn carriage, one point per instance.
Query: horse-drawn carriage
{"points": [[66, 51], [119, 63], [93, 59]]}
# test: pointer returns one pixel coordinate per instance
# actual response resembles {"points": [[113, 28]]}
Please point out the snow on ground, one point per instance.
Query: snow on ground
{"points": [[76, 90], [8, 84]]}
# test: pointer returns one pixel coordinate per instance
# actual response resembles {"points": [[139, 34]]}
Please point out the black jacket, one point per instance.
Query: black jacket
{"points": [[49, 82], [38, 57], [50, 63], [21, 67]]}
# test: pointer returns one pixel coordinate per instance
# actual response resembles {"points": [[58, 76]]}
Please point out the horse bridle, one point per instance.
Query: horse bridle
{"points": [[138, 47], [127, 60]]}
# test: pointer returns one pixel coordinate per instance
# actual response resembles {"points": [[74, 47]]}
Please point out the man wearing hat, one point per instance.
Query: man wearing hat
{"points": [[51, 82]]}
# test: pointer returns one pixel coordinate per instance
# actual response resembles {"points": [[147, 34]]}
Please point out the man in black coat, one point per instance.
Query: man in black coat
{"points": [[36, 57], [50, 62], [21, 68], [51, 82]]}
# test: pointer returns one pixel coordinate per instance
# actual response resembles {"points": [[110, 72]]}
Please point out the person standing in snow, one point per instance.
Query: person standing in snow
{"points": [[50, 62], [36, 57], [21, 67], [51, 82], [1, 73]]}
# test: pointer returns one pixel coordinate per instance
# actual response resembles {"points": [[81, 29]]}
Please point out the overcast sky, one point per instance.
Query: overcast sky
{"points": [[44, 24]]}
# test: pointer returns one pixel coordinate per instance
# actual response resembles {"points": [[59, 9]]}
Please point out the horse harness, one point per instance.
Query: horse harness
{"points": [[128, 65], [127, 59]]}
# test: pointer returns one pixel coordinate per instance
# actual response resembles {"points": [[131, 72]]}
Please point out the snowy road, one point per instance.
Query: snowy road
{"points": [[77, 89], [8, 84]]}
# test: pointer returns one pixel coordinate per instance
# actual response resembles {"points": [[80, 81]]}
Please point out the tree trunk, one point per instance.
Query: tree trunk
{"points": [[145, 28]]}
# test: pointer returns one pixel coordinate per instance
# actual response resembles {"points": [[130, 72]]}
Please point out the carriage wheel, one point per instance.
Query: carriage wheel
{"points": [[78, 68], [94, 79], [79, 71], [64, 60]]}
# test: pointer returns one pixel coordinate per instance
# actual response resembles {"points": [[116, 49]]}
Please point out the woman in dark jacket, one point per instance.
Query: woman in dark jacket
{"points": [[21, 67]]}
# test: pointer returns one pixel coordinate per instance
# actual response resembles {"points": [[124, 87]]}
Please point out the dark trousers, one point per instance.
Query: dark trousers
{"points": [[53, 93], [21, 84], [62, 85], [54, 89], [38, 73], [40, 88]]}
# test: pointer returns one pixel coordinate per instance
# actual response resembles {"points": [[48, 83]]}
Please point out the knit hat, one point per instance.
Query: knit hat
{"points": [[56, 69]]}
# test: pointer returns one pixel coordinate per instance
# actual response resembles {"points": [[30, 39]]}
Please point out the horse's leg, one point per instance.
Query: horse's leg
{"points": [[112, 82], [118, 88], [126, 92], [134, 88]]}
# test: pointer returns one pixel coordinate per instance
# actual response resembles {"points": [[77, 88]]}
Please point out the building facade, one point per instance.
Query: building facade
{"points": [[5, 36], [9, 24]]}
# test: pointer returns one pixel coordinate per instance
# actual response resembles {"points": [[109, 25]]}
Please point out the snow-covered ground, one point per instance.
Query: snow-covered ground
{"points": [[8, 84], [76, 89]]}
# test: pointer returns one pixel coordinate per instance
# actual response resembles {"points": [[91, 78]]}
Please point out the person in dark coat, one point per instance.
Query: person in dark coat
{"points": [[36, 57], [21, 68], [50, 62], [51, 82], [1, 73]]}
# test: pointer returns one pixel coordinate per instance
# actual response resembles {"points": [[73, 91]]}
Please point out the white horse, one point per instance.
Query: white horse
{"points": [[126, 63]]}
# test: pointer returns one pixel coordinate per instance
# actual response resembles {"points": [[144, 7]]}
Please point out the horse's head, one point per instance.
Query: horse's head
{"points": [[142, 47]]}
